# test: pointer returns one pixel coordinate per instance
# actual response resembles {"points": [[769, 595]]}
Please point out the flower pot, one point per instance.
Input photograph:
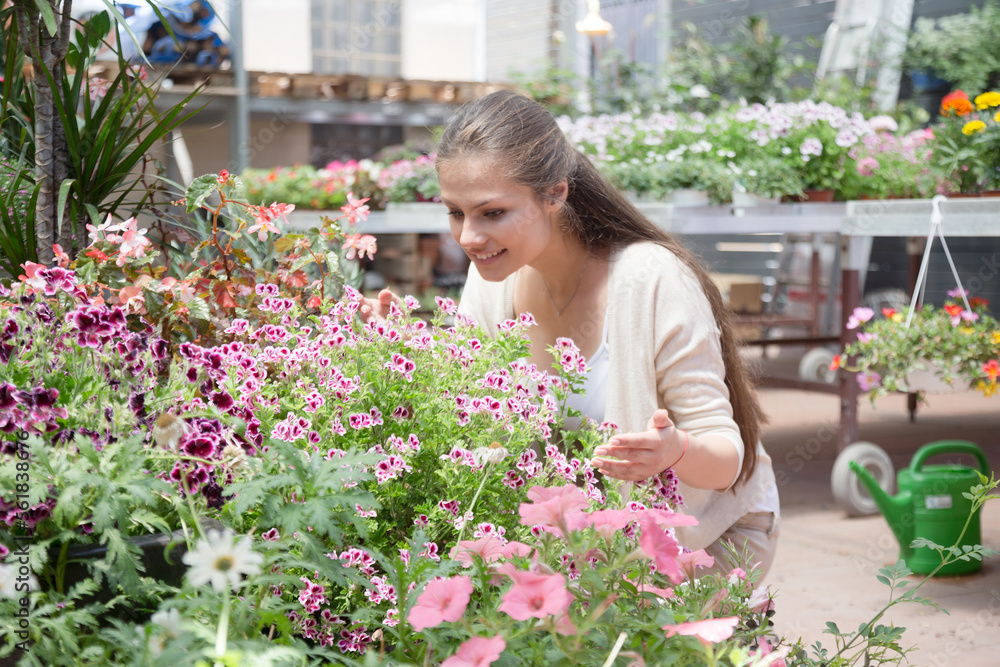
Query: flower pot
{"points": [[689, 197], [927, 376], [744, 199], [814, 196]]}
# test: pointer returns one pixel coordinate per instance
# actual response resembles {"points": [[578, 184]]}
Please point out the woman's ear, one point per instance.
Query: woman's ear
{"points": [[558, 192]]}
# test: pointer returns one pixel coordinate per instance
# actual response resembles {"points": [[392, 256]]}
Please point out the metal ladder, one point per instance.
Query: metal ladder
{"points": [[866, 29]]}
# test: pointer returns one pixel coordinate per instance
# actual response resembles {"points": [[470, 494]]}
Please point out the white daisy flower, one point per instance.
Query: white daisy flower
{"points": [[169, 623], [221, 561], [10, 579]]}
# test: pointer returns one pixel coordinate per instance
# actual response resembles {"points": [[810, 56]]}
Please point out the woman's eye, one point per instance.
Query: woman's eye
{"points": [[493, 214], [454, 214]]}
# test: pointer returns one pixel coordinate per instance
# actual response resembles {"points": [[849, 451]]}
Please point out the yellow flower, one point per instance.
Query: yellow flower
{"points": [[967, 330], [987, 100], [898, 317], [995, 337], [988, 388], [997, 117], [973, 126]]}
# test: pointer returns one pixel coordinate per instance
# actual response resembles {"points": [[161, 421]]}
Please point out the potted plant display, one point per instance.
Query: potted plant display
{"points": [[931, 349]]}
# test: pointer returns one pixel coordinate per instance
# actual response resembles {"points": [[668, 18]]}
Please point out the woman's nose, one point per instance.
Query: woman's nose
{"points": [[471, 235]]}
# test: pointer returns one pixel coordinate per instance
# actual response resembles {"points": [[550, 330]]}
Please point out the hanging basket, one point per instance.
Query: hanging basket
{"points": [[929, 377]]}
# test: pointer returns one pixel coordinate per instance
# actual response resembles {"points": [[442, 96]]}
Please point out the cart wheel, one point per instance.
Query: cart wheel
{"points": [[815, 366], [848, 491]]}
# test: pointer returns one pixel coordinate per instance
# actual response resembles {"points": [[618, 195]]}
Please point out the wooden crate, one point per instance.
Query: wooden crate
{"points": [[270, 85]]}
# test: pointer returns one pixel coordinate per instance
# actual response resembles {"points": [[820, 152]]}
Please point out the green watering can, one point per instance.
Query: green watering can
{"points": [[930, 505]]}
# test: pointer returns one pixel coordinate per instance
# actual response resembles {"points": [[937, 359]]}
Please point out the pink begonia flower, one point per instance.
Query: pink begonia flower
{"points": [[97, 88], [533, 595], [691, 561], [62, 259], [662, 547], [859, 317], [264, 215], [30, 276], [443, 601], [359, 245], [709, 631], [488, 547], [355, 209], [477, 652], [133, 241], [551, 507], [736, 575], [132, 299]]}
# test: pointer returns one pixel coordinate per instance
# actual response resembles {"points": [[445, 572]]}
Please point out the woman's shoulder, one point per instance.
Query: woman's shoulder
{"points": [[645, 260]]}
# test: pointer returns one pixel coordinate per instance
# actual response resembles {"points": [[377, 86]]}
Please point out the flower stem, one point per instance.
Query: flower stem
{"points": [[614, 650], [472, 505], [223, 631]]}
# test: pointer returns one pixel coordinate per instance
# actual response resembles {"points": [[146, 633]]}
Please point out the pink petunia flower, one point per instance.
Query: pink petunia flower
{"points": [[477, 652], [709, 631], [443, 601], [662, 547], [552, 507], [533, 595], [691, 561], [489, 548]]}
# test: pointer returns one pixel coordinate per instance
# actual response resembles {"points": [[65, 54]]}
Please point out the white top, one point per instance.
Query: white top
{"points": [[663, 351]]}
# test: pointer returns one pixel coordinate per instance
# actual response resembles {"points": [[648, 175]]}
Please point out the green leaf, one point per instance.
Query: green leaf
{"points": [[48, 16], [64, 189], [200, 190], [832, 628]]}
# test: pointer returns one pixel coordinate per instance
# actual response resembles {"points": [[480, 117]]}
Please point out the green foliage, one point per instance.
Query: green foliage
{"points": [[553, 88], [963, 48], [753, 66], [767, 176], [889, 351]]}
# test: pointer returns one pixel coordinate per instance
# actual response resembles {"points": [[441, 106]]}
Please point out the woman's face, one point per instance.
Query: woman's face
{"points": [[501, 225]]}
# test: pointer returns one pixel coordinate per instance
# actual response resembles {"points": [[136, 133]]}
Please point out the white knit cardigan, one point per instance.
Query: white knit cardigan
{"points": [[664, 353]]}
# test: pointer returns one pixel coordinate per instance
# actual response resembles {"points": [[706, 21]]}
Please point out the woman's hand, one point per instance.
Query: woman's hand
{"points": [[642, 455], [379, 307]]}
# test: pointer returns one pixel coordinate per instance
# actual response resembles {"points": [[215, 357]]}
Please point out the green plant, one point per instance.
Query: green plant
{"points": [[962, 48], [552, 87], [91, 140], [767, 176], [876, 644], [694, 171], [960, 343], [966, 142]]}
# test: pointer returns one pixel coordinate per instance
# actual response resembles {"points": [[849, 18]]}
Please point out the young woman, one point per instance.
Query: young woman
{"points": [[547, 235]]}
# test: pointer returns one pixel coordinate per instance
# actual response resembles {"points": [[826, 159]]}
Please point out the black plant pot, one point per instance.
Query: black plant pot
{"points": [[157, 563]]}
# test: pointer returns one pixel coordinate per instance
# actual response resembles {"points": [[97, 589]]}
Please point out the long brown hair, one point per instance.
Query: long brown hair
{"points": [[525, 144]]}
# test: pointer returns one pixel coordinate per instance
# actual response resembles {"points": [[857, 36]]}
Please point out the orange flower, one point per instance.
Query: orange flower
{"points": [[956, 103], [953, 309], [992, 369], [888, 312], [835, 364], [978, 302]]}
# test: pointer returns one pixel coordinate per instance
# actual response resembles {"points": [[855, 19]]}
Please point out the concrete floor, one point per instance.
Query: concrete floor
{"points": [[826, 563]]}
